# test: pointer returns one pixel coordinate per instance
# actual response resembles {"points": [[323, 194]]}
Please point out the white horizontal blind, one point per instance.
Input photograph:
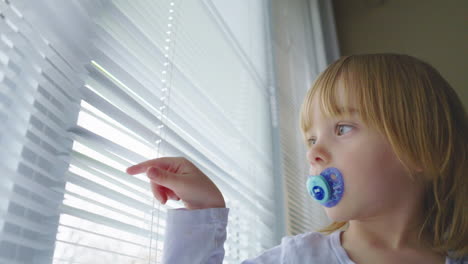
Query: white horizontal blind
{"points": [[300, 56], [40, 74], [162, 78], [208, 112]]}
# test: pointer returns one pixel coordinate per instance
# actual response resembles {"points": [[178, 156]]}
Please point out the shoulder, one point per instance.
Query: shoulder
{"points": [[315, 240], [314, 237], [309, 246], [303, 248]]}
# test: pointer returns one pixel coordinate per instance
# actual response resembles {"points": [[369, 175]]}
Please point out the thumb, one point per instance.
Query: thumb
{"points": [[162, 177]]}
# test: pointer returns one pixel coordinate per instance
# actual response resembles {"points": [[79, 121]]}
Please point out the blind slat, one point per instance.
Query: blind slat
{"points": [[83, 214]]}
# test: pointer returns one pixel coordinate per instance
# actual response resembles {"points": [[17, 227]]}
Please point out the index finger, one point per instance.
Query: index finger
{"points": [[165, 163]]}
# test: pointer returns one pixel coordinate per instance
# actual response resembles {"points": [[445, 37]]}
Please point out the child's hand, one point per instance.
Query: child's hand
{"points": [[178, 179]]}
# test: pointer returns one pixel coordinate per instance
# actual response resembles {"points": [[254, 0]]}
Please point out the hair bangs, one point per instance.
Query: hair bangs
{"points": [[333, 102]]}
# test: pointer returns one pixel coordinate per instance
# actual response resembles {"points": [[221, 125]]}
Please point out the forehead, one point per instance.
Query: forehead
{"points": [[336, 100], [328, 100], [342, 111], [318, 117]]}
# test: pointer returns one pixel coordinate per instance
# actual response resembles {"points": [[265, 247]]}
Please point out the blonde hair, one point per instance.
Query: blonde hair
{"points": [[409, 102]]}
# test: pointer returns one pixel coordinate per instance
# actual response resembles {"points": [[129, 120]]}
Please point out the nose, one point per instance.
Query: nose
{"points": [[318, 156]]}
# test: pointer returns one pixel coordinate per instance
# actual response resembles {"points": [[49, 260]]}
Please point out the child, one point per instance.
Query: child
{"points": [[395, 130]]}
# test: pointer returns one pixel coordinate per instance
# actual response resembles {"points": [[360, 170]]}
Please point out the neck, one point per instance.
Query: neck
{"points": [[396, 232], [392, 242], [386, 235], [395, 227]]}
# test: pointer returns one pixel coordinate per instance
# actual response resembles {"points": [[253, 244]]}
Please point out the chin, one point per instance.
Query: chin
{"points": [[337, 215]]}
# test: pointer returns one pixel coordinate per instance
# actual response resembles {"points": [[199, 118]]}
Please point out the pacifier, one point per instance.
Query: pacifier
{"points": [[327, 188]]}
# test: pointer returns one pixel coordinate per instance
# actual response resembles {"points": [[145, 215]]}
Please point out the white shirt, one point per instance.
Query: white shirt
{"points": [[197, 237]]}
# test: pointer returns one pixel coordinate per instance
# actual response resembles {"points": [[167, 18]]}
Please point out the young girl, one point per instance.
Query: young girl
{"points": [[396, 132]]}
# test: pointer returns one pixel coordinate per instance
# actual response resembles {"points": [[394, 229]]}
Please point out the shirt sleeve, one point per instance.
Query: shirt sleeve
{"points": [[195, 236]]}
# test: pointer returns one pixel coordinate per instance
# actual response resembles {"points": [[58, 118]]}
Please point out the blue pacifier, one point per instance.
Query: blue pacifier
{"points": [[327, 188]]}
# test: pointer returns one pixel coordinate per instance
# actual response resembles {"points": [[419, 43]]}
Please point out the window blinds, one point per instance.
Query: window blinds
{"points": [[39, 99], [305, 42], [91, 87]]}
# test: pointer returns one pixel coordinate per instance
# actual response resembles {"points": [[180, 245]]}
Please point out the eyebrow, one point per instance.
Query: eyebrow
{"points": [[351, 110]]}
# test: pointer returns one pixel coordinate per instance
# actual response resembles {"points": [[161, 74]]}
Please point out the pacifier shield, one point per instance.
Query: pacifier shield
{"points": [[318, 188], [327, 188]]}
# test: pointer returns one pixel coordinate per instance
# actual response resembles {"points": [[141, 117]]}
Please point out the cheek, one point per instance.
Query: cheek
{"points": [[371, 176], [370, 159]]}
